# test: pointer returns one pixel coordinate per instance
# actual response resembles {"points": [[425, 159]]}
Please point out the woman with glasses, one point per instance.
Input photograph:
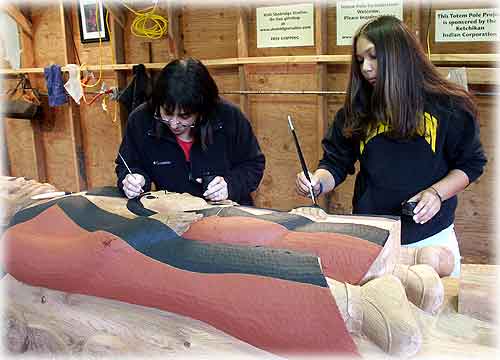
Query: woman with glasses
{"points": [[186, 138], [415, 134]]}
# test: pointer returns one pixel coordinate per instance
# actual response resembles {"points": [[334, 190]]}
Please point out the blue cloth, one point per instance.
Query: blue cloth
{"points": [[55, 85]]}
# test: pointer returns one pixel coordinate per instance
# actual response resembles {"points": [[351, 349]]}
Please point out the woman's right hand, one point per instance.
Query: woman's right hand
{"points": [[302, 185], [132, 185]]}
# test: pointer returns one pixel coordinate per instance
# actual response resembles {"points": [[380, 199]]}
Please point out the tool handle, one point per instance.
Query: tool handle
{"points": [[301, 159]]}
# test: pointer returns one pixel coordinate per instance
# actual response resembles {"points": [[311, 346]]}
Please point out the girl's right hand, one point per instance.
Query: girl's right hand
{"points": [[132, 185], [302, 185]]}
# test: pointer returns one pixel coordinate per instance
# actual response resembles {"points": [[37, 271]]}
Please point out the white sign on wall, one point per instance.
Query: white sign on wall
{"points": [[285, 26], [467, 25], [351, 14]]}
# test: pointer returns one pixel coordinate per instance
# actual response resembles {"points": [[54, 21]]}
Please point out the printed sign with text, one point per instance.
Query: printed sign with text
{"points": [[467, 25], [285, 26], [351, 14]]}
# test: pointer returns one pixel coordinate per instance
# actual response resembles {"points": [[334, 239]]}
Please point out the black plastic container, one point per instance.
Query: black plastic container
{"points": [[407, 208], [207, 178]]}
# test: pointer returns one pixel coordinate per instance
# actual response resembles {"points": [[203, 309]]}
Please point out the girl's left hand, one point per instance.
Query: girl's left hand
{"points": [[216, 190], [428, 205]]}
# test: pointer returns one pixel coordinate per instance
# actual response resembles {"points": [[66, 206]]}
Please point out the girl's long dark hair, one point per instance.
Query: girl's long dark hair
{"points": [[188, 85], [405, 78]]}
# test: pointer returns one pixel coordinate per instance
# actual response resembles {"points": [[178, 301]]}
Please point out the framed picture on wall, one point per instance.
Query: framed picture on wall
{"points": [[92, 19]]}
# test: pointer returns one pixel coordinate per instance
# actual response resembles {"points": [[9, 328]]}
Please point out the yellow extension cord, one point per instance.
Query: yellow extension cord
{"points": [[147, 24]]}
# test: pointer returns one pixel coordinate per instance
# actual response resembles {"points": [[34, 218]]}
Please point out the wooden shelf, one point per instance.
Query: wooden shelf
{"points": [[441, 59]]}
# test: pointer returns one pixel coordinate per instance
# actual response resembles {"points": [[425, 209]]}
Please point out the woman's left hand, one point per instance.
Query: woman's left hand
{"points": [[428, 205], [216, 190]]}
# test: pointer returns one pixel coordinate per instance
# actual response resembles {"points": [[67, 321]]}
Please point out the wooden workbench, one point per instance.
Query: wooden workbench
{"points": [[74, 324]]}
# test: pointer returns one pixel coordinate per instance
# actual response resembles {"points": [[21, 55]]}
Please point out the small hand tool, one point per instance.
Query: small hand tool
{"points": [[50, 195], [125, 163]]}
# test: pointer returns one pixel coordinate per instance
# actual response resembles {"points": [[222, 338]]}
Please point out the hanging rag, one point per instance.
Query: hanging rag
{"points": [[55, 87], [138, 90], [73, 86]]}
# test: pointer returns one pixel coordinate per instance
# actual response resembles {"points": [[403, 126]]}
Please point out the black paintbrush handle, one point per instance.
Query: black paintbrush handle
{"points": [[301, 158]]}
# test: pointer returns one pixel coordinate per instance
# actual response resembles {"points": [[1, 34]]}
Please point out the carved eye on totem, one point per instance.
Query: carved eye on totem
{"points": [[148, 196]]}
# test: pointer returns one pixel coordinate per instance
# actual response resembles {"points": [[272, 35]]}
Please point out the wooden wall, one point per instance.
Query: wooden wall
{"points": [[77, 144]]}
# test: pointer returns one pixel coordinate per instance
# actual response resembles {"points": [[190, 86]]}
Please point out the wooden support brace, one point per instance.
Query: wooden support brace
{"points": [[19, 18]]}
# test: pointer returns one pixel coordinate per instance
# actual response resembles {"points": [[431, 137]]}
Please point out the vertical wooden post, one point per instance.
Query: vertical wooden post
{"points": [[23, 137], [73, 113], [243, 52], [174, 31], [117, 21], [416, 20], [321, 30]]}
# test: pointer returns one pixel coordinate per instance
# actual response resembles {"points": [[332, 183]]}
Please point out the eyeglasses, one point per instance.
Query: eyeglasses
{"points": [[178, 123], [188, 122]]}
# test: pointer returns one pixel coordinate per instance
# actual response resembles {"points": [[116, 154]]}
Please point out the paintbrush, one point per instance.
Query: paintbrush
{"points": [[302, 161], [129, 171]]}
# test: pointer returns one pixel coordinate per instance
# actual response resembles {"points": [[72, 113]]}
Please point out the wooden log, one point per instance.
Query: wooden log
{"points": [[477, 292], [81, 324]]}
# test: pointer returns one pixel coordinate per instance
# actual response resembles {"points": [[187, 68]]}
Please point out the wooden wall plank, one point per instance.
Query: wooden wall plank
{"points": [[227, 80], [282, 164], [21, 148], [210, 32], [477, 292], [475, 215], [101, 139], [47, 35], [340, 200]]}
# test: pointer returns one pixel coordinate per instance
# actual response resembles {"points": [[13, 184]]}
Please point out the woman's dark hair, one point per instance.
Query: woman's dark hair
{"points": [[405, 78], [187, 84]]}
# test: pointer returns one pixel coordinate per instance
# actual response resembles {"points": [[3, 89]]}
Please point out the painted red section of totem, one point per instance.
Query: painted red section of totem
{"points": [[343, 258], [279, 316]]}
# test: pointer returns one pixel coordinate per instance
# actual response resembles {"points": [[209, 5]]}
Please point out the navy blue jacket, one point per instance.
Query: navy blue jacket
{"points": [[393, 170], [150, 149]]}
